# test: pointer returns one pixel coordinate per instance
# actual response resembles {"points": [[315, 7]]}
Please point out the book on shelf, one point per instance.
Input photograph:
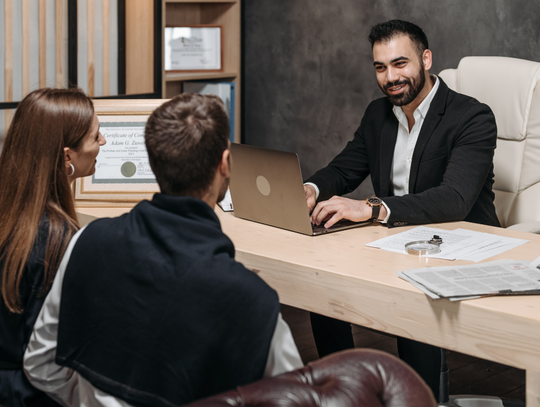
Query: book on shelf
{"points": [[224, 90]]}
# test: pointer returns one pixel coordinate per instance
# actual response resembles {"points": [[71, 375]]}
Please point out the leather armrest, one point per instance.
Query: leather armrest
{"points": [[358, 377]]}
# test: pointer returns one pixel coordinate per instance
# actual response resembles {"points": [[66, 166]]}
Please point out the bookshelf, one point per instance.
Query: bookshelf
{"points": [[225, 13]]}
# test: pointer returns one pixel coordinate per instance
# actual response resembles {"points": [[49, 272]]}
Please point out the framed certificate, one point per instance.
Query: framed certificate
{"points": [[123, 172], [123, 160], [193, 48]]}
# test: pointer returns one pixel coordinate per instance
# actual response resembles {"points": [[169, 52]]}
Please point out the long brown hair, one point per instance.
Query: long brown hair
{"points": [[34, 182]]}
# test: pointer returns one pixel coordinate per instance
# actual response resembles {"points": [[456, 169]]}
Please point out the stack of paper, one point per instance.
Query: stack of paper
{"points": [[459, 244], [501, 277], [226, 203]]}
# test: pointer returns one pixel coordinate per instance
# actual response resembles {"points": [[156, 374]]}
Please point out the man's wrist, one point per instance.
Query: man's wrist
{"points": [[378, 210], [375, 204], [315, 187]]}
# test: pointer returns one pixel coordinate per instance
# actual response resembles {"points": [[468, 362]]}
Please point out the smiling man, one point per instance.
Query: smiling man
{"points": [[429, 151]]}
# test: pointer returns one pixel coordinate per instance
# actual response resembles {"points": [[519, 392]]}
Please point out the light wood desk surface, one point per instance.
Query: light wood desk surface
{"points": [[338, 276]]}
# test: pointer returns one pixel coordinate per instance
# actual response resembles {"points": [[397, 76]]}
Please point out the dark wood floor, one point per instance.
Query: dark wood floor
{"points": [[468, 375]]}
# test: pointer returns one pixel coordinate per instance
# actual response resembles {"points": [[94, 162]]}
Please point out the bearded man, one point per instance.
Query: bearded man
{"points": [[429, 151]]}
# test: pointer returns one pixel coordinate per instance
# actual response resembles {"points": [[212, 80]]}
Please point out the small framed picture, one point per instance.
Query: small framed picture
{"points": [[123, 172], [193, 48]]}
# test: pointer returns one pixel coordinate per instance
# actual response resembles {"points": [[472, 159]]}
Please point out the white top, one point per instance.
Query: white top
{"points": [[68, 388], [404, 148]]}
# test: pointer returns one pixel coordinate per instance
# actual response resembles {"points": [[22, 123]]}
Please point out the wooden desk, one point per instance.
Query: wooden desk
{"points": [[336, 275]]}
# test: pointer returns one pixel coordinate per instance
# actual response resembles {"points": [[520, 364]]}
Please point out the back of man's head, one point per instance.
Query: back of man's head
{"points": [[185, 139], [385, 32]]}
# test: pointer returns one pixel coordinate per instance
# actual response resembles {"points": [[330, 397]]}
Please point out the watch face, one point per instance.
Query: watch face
{"points": [[374, 201]]}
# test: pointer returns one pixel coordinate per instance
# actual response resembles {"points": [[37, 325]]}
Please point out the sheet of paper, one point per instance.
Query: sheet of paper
{"points": [[536, 263], [457, 244], [226, 203], [429, 293], [488, 245], [477, 243], [477, 279], [452, 241]]}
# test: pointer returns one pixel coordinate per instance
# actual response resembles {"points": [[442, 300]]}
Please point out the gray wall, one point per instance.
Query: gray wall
{"points": [[308, 73]]}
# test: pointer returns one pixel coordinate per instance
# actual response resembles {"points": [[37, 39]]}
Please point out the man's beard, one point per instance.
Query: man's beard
{"points": [[415, 87]]}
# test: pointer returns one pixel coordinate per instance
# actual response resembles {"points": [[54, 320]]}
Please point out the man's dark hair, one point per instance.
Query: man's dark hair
{"points": [[185, 139], [385, 32]]}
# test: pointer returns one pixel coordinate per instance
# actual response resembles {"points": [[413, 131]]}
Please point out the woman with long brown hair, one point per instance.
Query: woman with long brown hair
{"points": [[53, 139]]}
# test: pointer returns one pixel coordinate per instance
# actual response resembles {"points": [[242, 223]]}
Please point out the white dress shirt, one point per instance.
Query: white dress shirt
{"points": [[406, 142], [69, 388], [404, 148]]}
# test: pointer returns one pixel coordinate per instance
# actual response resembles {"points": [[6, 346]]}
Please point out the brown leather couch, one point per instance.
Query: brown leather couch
{"points": [[358, 377]]}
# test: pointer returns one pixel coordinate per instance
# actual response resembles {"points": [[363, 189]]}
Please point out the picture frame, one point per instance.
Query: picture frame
{"points": [[193, 48], [123, 174]]}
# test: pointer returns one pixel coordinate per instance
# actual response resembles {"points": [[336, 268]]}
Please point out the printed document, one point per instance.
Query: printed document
{"points": [[500, 277], [459, 244]]}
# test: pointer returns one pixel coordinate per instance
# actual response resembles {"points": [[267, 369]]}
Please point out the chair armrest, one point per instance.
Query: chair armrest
{"points": [[358, 377], [531, 227]]}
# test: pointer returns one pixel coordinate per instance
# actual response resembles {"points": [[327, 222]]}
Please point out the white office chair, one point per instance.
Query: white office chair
{"points": [[510, 87]]}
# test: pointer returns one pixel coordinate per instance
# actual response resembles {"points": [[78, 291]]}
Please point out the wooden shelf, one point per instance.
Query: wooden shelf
{"points": [[225, 13], [193, 76]]}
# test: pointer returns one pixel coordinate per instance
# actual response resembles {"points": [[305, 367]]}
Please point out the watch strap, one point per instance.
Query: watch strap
{"points": [[375, 210]]}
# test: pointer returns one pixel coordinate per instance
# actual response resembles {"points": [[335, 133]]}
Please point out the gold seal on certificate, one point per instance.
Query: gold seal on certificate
{"points": [[196, 48], [128, 169]]}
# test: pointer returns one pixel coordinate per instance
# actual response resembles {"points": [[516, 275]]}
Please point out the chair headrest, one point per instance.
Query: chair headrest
{"points": [[507, 85]]}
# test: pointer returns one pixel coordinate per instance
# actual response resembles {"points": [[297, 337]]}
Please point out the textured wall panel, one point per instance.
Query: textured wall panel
{"points": [[17, 61], [28, 42], [2, 55], [97, 74], [28, 55], [34, 45], [113, 47], [50, 44]]}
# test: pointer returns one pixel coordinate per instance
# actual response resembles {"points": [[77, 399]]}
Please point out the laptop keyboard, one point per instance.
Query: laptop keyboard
{"points": [[338, 225]]}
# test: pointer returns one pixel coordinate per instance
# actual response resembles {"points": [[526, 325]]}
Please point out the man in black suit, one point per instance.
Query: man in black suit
{"points": [[429, 151]]}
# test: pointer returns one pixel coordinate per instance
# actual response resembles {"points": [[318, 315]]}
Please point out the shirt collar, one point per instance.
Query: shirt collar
{"points": [[423, 108]]}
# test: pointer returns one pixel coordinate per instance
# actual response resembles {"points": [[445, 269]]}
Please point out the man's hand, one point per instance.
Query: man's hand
{"points": [[311, 196], [337, 208]]}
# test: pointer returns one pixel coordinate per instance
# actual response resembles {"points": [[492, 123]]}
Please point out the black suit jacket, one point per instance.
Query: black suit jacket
{"points": [[451, 175]]}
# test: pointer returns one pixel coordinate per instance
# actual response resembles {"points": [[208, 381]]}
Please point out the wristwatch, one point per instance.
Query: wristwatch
{"points": [[375, 204]]}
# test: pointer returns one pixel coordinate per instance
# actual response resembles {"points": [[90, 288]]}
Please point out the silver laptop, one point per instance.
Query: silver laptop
{"points": [[267, 187]]}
